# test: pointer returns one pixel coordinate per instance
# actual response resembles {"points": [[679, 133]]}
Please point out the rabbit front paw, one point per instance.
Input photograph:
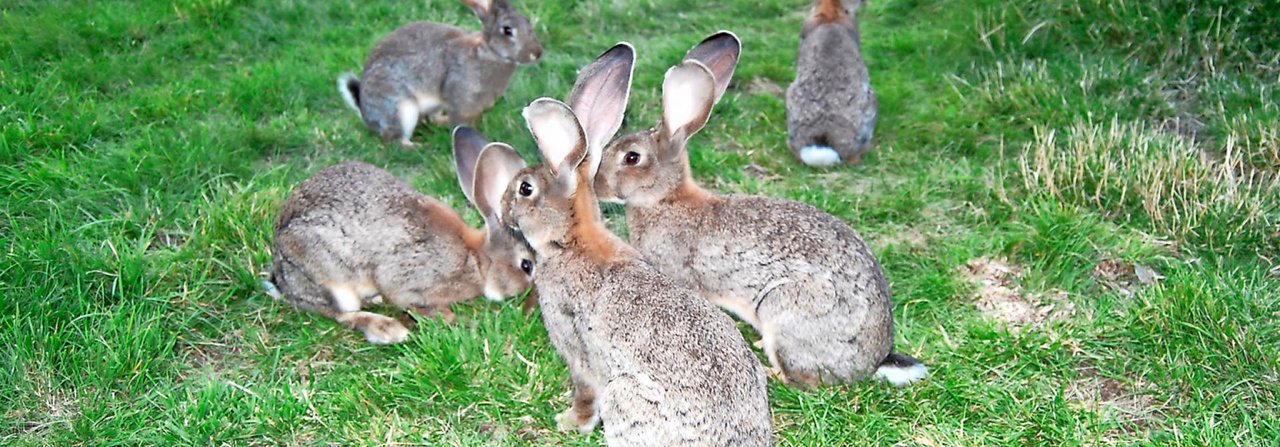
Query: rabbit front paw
{"points": [[386, 331], [444, 312], [439, 118], [574, 420]]}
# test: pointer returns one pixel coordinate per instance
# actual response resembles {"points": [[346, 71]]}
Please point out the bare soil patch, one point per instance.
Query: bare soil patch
{"points": [[999, 297]]}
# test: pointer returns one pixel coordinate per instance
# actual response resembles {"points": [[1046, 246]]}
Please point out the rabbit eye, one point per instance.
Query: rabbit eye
{"points": [[526, 189], [508, 31], [527, 266], [631, 159]]}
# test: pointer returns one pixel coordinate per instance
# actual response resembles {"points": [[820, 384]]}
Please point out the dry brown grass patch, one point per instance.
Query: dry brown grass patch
{"points": [[998, 295]]}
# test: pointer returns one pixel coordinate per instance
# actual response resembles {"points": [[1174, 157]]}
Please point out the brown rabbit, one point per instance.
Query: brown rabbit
{"points": [[831, 110], [354, 235], [659, 365], [804, 279], [439, 71]]}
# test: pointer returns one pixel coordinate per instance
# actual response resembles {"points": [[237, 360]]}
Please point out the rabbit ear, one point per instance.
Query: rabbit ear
{"points": [[688, 92], [467, 144], [480, 7], [599, 96], [559, 136], [719, 52], [496, 166]]}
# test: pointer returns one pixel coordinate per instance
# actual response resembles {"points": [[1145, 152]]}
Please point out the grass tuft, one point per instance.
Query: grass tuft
{"points": [[1131, 171]]}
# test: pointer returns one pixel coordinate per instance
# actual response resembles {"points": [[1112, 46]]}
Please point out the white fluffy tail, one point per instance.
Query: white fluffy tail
{"points": [[901, 370], [271, 289], [349, 88], [819, 156]]}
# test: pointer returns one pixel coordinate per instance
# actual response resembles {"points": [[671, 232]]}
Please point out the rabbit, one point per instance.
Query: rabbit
{"points": [[831, 110], [353, 235], [654, 362], [802, 278], [439, 71]]}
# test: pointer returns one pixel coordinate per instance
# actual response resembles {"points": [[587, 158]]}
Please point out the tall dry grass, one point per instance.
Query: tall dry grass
{"points": [[1140, 173]]}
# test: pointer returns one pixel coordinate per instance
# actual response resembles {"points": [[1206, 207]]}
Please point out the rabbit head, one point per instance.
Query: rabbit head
{"points": [[484, 170], [830, 12], [545, 201], [507, 33], [646, 166]]}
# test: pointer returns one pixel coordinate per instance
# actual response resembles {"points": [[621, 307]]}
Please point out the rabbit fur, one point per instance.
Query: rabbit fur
{"points": [[353, 235], [802, 278], [439, 71], [831, 109], [653, 361]]}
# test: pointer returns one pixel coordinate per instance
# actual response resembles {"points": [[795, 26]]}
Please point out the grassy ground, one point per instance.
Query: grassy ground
{"points": [[1075, 201]]}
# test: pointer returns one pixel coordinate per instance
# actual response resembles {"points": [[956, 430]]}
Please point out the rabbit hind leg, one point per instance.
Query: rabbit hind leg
{"points": [[407, 112], [339, 302]]}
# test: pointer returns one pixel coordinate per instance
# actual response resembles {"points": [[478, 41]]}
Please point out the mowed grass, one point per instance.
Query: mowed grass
{"points": [[1113, 162]]}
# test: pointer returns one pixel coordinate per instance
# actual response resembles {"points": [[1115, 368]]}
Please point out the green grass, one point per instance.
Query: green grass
{"points": [[145, 148]]}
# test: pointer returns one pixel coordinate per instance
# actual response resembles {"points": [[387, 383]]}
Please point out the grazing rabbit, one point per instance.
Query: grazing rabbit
{"points": [[804, 279], [439, 71], [353, 235], [659, 365], [831, 110]]}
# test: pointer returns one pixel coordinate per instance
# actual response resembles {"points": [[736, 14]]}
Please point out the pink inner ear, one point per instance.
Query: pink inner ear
{"points": [[599, 96], [603, 110], [687, 95], [719, 53], [497, 165], [480, 7], [557, 133]]}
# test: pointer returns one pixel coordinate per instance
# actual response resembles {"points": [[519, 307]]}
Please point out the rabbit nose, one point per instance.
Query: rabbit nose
{"points": [[537, 54]]}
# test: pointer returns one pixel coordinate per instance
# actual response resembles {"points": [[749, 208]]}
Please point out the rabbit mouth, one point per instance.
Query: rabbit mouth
{"points": [[531, 57]]}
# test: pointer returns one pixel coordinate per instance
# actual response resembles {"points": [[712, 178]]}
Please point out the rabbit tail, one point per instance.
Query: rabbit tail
{"points": [[269, 285], [349, 87], [901, 369], [819, 156]]}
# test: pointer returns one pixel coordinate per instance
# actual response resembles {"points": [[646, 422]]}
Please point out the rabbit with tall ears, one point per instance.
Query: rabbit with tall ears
{"points": [[659, 365], [439, 71], [354, 235], [804, 279], [831, 110]]}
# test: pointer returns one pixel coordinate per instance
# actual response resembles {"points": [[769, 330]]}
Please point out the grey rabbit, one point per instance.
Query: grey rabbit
{"points": [[353, 235], [802, 278], [440, 71], [831, 109], [653, 361]]}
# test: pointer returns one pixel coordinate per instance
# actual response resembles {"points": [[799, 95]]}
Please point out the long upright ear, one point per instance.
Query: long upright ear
{"points": [[559, 136], [467, 144], [480, 7], [496, 166], [599, 96], [719, 52], [688, 92]]}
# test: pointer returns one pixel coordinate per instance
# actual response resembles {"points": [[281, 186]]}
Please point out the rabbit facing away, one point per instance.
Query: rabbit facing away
{"points": [[353, 235], [439, 71], [831, 110], [802, 278], [653, 361]]}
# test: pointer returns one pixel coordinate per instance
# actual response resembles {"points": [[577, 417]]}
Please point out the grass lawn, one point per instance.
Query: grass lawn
{"points": [[1076, 203]]}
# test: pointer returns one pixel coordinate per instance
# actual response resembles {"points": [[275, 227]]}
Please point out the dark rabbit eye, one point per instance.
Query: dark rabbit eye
{"points": [[631, 159], [508, 31], [526, 189], [527, 266]]}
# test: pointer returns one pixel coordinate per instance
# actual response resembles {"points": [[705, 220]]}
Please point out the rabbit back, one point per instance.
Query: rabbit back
{"points": [[440, 68], [831, 104], [674, 369], [788, 269], [356, 225]]}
